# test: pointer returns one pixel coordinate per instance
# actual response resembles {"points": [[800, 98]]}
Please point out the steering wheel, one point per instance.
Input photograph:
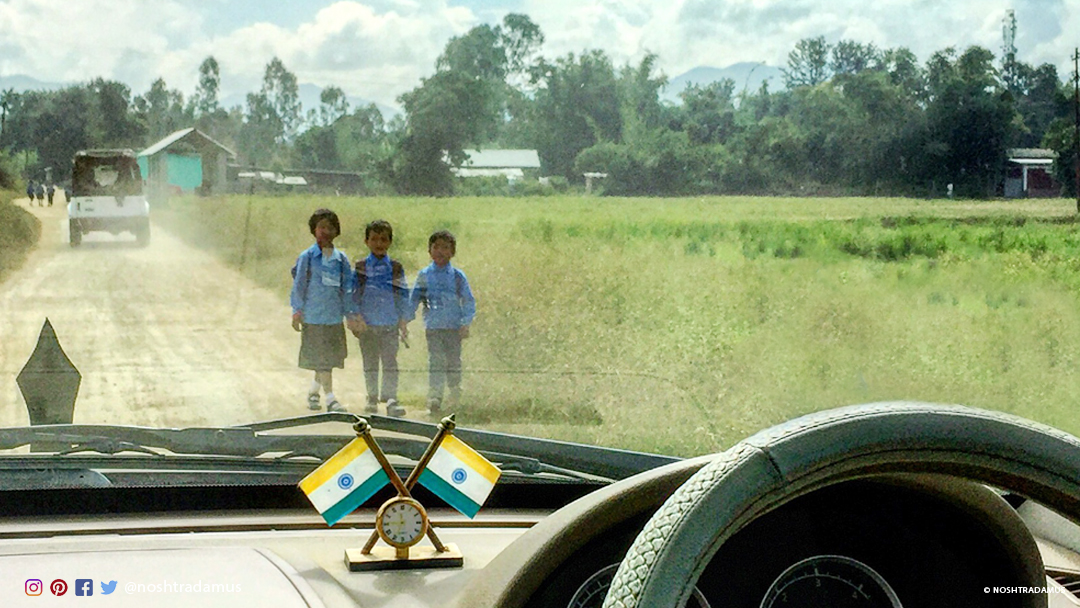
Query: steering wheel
{"points": [[775, 466]]}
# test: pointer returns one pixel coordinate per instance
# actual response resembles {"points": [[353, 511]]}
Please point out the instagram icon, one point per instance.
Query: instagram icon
{"points": [[33, 586]]}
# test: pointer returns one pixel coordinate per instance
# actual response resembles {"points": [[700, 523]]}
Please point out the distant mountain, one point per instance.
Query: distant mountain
{"points": [[309, 100], [748, 76], [22, 83]]}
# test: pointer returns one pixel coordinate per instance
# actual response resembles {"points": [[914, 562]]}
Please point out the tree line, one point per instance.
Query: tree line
{"points": [[852, 119]]}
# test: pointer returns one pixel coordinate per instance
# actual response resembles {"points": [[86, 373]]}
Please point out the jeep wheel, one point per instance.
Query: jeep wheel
{"points": [[75, 235]]}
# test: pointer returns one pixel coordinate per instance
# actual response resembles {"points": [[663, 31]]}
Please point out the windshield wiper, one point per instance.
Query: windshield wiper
{"points": [[407, 439], [64, 439], [532, 455]]}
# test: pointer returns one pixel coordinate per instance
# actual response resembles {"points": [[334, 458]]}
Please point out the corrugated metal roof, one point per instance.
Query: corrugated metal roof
{"points": [[502, 159], [1019, 153], [172, 138]]}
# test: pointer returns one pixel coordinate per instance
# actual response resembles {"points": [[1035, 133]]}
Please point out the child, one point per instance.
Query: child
{"points": [[382, 297], [323, 286], [449, 308]]}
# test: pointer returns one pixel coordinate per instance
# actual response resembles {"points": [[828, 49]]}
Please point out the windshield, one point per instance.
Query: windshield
{"points": [[657, 227], [105, 173]]}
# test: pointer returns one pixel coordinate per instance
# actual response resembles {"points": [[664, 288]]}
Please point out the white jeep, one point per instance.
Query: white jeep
{"points": [[106, 195]]}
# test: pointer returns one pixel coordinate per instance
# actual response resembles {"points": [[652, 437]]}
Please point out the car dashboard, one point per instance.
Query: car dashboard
{"points": [[893, 536]]}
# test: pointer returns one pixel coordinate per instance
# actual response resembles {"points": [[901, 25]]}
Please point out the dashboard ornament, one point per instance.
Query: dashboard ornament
{"points": [[450, 469]]}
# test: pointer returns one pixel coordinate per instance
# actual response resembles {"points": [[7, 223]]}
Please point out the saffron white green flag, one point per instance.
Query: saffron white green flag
{"points": [[344, 481], [460, 476]]}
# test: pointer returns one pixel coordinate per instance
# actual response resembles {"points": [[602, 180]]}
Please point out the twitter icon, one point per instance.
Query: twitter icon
{"points": [[107, 588]]}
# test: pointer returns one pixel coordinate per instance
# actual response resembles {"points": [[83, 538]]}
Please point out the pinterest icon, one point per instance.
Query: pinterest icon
{"points": [[58, 587]]}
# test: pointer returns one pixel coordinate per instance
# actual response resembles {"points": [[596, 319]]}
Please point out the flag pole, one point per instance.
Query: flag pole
{"points": [[363, 430], [446, 426]]}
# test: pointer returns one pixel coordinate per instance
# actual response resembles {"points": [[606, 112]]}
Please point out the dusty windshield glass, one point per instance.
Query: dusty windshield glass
{"points": [[657, 227]]}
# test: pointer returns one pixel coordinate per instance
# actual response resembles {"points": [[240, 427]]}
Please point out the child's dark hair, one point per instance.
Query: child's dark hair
{"points": [[323, 214], [380, 226], [443, 235]]}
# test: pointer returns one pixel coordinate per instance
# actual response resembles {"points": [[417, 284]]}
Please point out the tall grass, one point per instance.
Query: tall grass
{"points": [[683, 325]]}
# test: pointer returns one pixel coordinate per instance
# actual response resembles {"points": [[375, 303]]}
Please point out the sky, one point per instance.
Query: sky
{"points": [[379, 49]]}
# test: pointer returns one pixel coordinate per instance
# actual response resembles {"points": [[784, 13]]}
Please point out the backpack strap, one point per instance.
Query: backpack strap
{"points": [[459, 282], [397, 276], [307, 278], [397, 281]]}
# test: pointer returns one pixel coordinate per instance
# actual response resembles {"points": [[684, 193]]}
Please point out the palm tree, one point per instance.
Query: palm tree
{"points": [[6, 98]]}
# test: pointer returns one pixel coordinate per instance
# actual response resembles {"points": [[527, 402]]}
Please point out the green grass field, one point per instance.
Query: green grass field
{"points": [[683, 325]]}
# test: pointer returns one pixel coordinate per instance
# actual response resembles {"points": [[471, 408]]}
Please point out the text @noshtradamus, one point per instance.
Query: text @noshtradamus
{"points": [[89, 587]]}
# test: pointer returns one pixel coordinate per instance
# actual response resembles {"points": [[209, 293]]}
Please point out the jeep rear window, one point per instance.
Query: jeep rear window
{"points": [[106, 176]]}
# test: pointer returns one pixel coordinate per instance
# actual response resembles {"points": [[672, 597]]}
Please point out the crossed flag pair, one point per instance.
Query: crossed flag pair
{"points": [[456, 473]]}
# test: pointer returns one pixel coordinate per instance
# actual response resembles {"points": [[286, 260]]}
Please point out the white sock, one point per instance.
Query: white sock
{"points": [[330, 397], [314, 390]]}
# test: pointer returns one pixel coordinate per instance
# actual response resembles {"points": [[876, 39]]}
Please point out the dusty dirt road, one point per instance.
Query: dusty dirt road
{"points": [[164, 336]]}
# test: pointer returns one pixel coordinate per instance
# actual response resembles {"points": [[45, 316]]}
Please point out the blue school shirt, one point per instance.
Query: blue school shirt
{"points": [[377, 303], [448, 305], [327, 297]]}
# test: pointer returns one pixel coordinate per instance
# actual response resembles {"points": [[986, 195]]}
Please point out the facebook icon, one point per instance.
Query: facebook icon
{"points": [[84, 586]]}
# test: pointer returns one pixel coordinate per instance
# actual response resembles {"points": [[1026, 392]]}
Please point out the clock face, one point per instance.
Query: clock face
{"points": [[402, 522]]}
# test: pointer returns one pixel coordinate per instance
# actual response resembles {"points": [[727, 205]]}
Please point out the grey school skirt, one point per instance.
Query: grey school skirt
{"points": [[322, 347]]}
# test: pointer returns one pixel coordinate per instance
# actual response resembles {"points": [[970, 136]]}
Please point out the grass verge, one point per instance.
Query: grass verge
{"points": [[19, 233]]}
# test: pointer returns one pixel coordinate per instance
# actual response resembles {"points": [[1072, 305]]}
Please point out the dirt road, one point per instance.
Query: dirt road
{"points": [[163, 335]]}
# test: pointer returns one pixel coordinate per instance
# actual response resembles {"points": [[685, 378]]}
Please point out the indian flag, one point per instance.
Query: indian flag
{"points": [[344, 481], [460, 476]]}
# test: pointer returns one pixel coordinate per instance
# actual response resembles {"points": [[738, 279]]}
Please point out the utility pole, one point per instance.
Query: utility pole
{"points": [[1076, 125]]}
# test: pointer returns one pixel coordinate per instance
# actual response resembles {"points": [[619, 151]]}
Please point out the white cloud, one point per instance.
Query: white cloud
{"points": [[377, 53], [77, 41], [379, 49]]}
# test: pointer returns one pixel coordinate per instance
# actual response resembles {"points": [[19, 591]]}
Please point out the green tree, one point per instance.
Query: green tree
{"points": [[850, 57], [206, 93], [333, 104], [904, 71], [161, 111], [808, 63], [282, 94], [708, 112], [970, 122], [113, 125], [1040, 99], [261, 131], [576, 106], [465, 103]]}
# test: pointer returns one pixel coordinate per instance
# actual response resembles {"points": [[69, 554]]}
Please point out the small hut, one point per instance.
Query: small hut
{"points": [[186, 161]]}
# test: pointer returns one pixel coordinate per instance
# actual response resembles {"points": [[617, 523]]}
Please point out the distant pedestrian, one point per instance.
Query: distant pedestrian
{"points": [[30, 191], [321, 297], [50, 191], [449, 308], [39, 192], [382, 296]]}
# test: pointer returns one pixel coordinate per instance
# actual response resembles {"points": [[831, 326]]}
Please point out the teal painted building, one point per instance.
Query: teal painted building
{"points": [[187, 161]]}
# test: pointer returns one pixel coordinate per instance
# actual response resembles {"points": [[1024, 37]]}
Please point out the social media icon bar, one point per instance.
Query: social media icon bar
{"points": [[58, 587], [84, 586], [33, 586]]}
